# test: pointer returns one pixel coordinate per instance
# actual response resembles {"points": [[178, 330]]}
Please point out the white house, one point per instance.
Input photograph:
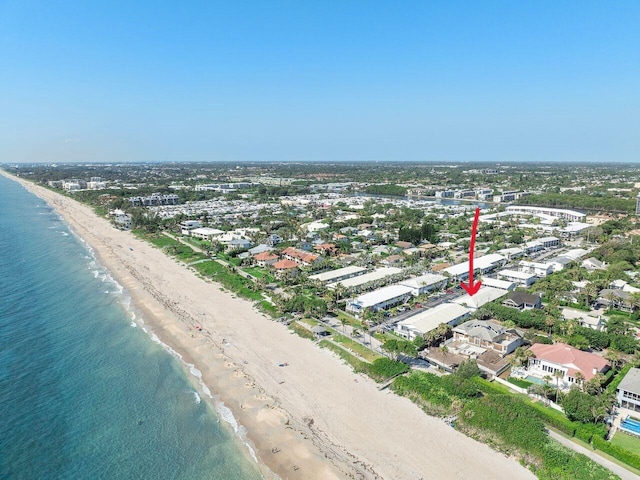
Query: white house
{"points": [[483, 295], [206, 233], [538, 269], [339, 274]]}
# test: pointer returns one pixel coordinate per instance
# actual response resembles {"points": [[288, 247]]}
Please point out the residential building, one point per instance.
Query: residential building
{"points": [[380, 299], [338, 275], [427, 320], [264, 259], [188, 225], [425, 283], [591, 320], [522, 301], [299, 256], [482, 296], [488, 334], [360, 280], [206, 233], [501, 284], [570, 215], [521, 279], [538, 269], [563, 358], [629, 390]]}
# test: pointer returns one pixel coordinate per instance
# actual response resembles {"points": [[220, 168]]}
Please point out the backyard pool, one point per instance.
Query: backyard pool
{"points": [[630, 425], [532, 379]]}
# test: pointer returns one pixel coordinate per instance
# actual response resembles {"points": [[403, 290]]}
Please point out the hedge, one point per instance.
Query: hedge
{"points": [[615, 451]]}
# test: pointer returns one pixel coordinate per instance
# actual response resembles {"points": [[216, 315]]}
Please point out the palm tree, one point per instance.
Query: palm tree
{"points": [[589, 291], [558, 374], [549, 321], [444, 350], [547, 379], [343, 321], [580, 380]]}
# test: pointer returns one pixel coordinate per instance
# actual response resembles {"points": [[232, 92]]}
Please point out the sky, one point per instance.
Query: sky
{"points": [[440, 81]]}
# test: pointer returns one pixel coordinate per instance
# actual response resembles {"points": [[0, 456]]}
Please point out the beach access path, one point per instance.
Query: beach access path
{"points": [[311, 419]]}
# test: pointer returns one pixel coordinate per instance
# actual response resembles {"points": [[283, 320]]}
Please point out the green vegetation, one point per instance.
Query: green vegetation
{"points": [[509, 425], [627, 442], [356, 347], [596, 202], [518, 382], [386, 189], [380, 369], [302, 331]]}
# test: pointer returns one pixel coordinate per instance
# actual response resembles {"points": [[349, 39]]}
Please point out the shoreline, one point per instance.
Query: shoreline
{"points": [[311, 411]]}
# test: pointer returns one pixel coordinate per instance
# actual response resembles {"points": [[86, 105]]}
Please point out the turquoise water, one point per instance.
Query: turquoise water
{"points": [[85, 393]]}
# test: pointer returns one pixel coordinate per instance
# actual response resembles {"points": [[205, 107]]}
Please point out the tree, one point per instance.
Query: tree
{"points": [[468, 369], [344, 322], [580, 380], [558, 374], [585, 408]]}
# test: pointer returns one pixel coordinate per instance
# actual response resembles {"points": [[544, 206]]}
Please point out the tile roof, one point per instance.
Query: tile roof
{"points": [[572, 358]]}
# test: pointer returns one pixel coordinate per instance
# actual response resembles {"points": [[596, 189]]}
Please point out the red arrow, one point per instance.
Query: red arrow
{"points": [[472, 288]]}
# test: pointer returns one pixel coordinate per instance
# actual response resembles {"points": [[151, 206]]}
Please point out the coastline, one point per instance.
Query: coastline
{"points": [[312, 411]]}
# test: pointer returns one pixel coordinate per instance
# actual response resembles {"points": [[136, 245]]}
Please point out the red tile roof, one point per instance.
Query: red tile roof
{"points": [[572, 358], [265, 256], [285, 265], [301, 255]]}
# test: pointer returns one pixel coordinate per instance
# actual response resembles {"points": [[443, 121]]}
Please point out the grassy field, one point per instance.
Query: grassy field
{"points": [[259, 273], [361, 350], [626, 441]]}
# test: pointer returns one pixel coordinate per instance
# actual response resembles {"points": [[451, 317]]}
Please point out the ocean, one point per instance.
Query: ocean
{"points": [[86, 392]]}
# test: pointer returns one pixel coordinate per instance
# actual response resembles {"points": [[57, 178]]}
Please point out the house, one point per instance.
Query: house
{"points": [[325, 248], [188, 225], [427, 320], [259, 249], [592, 264], [239, 244], [567, 360], [585, 319], [265, 258], [392, 260], [299, 256], [380, 299], [490, 335], [629, 390], [273, 240], [615, 298], [377, 275], [522, 301], [521, 279], [282, 266], [404, 245], [121, 219], [206, 233], [490, 262]]}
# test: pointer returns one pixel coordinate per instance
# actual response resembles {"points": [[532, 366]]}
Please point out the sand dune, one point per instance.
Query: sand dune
{"points": [[321, 422]]}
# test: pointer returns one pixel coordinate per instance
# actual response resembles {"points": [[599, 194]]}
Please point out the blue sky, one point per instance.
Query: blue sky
{"points": [[444, 81]]}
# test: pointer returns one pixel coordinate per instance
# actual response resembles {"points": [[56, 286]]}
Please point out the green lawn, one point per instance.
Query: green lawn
{"points": [[259, 272], [626, 441], [361, 350]]}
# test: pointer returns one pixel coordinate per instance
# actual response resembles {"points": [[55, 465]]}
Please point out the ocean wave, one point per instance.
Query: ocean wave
{"points": [[197, 397]]}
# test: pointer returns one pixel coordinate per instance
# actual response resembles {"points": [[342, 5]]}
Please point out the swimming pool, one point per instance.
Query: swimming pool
{"points": [[532, 379], [630, 425]]}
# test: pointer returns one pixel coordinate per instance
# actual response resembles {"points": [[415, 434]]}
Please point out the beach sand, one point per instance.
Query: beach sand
{"points": [[321, 422]]}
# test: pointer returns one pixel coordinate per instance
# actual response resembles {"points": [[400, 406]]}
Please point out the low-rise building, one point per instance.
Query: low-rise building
{"points": [[538, 269], [489, 335], [629, 390], [567, 360], [522, 301], [339, 274], [585, 319], [521, 279], [380, 299], [425, 283], [427, 320], [482, 296]]}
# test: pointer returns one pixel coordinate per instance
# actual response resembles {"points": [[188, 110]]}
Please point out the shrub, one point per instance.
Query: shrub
{"points": [[617, 452]]}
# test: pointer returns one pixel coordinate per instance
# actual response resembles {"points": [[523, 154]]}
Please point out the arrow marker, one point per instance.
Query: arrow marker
{"points": [[472, 288]]}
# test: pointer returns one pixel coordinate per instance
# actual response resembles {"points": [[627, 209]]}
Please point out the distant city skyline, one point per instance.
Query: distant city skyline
{"points": [[327, 81]]}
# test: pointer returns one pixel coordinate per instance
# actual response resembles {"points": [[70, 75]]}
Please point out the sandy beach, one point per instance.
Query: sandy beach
{"points": [[320, 422]]}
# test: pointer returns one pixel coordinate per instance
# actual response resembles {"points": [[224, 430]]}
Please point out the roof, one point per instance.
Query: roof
{"points": [[425, 280], [458, 269], [206, 231], [429, 319], [338, 273], [488, 260], [515, 274], [521, 298], [300, 254], [631, 381], [482, 296], [382, 295], [265, 256], [377, 274], [483, 329], [285, 265], [571, 358], [494, 282]]}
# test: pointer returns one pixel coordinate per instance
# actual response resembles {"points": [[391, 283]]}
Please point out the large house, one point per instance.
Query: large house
{"points": [[522, 279], [489, 335], [570, 361], [629, 390], [522, 301], [299, 256]]}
